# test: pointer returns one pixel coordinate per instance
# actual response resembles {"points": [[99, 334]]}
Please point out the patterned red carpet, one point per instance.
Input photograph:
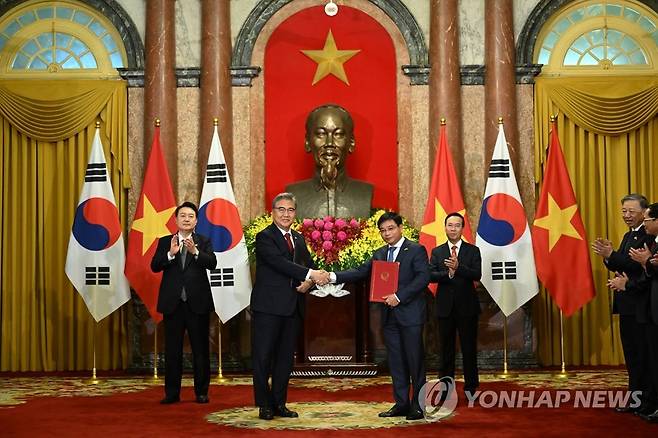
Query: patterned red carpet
{"points": [[128, 406]]}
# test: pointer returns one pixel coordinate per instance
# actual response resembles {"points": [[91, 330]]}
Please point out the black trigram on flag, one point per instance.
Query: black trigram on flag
{"points": [[222, 277], [499, 169], [216, 173], [96, 172], [97, 275], [503, 270]]}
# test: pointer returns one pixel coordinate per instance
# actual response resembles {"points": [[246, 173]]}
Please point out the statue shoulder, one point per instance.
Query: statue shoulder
{"points": [[302, 186], [358, 186]]}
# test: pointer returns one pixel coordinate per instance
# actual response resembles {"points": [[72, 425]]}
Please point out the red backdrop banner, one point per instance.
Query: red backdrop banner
{"points": [[370, 97]]}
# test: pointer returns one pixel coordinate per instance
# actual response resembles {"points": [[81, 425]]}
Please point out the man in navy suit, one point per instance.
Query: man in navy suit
{"points": [[454, 266], [186, 302], [277, 305], [403, 315]]}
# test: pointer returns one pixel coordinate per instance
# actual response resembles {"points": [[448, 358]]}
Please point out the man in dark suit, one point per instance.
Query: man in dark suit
{"points": [[277, 305], [626, 303], [644, 289], [403, 315], [185, 301], [454, 266]]}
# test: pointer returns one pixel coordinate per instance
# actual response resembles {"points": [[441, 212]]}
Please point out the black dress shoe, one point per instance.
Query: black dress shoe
{"points": [[415, 415], [265, 413], [202, 399], [283, 411], [644, 411], [169, 400], [395, 411], [652, 417]]}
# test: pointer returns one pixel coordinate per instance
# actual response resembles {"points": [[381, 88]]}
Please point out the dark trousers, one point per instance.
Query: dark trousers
{"points": [[651, 340], [273, 353], [198, 329], [634, 345], [404, 347], [467, 326]]}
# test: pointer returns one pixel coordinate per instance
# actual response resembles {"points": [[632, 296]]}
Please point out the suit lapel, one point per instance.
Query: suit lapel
{"points": [[402, 252]]}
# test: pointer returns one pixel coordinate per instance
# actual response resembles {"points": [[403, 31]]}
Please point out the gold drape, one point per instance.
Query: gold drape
{"points": [[45, 323], [609, 141]]}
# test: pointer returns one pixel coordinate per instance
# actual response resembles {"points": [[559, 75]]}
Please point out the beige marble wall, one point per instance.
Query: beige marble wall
{"points": [[476, 163], [186, 188], [188, 24]]}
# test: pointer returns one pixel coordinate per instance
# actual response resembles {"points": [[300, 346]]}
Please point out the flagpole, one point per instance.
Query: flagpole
{"points": [[563, 372], [93, 380], [155, 377], [505, 374], [220, 379]]}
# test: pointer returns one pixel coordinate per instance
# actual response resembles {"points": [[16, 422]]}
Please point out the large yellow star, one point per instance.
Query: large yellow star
{"points": [[152, 224], [558, 222], [330, 60], [438, 228]]}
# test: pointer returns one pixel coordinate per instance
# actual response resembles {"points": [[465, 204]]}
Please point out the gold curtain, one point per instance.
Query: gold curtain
{"points": [[46, 136], [610, 139]]}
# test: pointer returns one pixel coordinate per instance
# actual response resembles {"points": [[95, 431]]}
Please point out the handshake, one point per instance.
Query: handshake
{"points": [[320, 277]]}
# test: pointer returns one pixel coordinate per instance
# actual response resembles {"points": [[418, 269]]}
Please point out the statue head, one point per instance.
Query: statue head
{"points": [[330, 138]]}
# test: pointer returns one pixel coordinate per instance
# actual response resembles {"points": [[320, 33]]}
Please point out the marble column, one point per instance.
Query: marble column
{"points": [[500, 78], [216, 99], [445, 80], [160, 81]]}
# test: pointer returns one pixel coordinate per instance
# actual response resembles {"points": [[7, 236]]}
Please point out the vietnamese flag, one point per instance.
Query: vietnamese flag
{"points": [[153, 219], [558, 236], [444, 197]]}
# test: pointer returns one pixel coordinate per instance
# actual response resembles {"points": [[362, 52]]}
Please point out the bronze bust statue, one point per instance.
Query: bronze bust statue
{"points": [[330, 138]]}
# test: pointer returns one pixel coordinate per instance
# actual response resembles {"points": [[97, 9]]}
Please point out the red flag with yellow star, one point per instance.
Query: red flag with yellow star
{"points": [[559, 239], [445, 197], [154, 218], [349, 59]]}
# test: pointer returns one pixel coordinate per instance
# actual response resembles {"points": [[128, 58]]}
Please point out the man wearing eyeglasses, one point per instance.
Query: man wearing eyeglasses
{"points": [[625, 303], [284, 272], [403, 315]]}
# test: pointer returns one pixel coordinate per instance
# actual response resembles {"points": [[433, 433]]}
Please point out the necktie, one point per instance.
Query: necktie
{"points": [[183, 256], [391, 252], [453, 251], [289, 242]]}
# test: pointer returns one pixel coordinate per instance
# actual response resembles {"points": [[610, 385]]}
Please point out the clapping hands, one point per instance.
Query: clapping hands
{"points": [[618, 283], [602, 247]]}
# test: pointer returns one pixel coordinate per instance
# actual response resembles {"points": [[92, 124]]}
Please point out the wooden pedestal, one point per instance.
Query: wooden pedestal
{"points": [[335, 340]]}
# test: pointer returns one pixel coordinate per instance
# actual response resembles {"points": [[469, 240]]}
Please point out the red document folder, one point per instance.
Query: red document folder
{"points": [[383, 279]]}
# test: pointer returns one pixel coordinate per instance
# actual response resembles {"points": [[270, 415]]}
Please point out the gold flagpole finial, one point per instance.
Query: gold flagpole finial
{"points": [[215, 121], [157, 122], [98, 124], [500, 120], [552, 118], [443, 121]]}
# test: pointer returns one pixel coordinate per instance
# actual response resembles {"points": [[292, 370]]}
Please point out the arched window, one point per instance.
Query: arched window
{"points": [[595, 36], [60, 39]]}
